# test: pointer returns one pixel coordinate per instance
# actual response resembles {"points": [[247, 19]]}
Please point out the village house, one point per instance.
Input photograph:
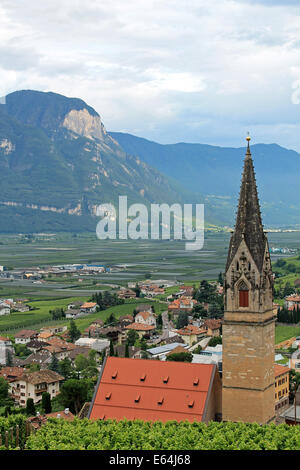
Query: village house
{"points": [[281, 388], [20, 307], [292, 301], [33, 385], [124, 293], [45, 336], [182, 305], [6, 351], [73, 313], [76, 304], [125, 320], [186, 290], [4, 308], [25, 336], [97, 323], [294, 361], [42, 358], [191, 334], [141, 329], [54, 329], [113, 333], [213, 327], [152, 390], [35, 345], [89, 307], [152, 290], [146, 318]]}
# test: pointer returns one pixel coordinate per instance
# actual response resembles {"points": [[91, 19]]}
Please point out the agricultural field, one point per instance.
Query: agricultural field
{"points": [[137, 260], [162, 259], [40, 316], [284, 332]]}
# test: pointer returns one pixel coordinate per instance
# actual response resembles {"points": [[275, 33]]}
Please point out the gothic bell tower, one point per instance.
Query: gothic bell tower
{"points": [[248, 391]]}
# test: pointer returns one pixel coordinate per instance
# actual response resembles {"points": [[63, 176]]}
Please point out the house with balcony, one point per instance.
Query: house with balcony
{"points": [[33, 385]]}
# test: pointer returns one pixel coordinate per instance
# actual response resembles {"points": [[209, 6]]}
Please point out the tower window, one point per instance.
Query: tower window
{"points": [[244, 298]]}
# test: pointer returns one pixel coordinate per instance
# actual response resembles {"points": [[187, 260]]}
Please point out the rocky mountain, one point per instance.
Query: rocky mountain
{"points": [[216, 173], [58, 163]]}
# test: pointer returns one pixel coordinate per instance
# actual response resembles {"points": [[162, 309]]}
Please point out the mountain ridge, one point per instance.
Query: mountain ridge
{"points": [[60, 159], [217, 171]]}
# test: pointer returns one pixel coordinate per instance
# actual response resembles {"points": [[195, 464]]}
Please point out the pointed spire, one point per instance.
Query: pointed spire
{"points": [[248, 221]]}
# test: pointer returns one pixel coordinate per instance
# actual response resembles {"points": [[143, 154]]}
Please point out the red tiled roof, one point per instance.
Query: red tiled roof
{"points": [[293, 297], [139, 327], [190, 330], [11, 372], [178, 349], [279, 370], [212, 324], [152, 390], [88, 305], [145, 315], [26, 334]]}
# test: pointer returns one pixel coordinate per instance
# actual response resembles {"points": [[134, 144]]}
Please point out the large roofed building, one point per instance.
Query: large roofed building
{"points": [[152, 390]]}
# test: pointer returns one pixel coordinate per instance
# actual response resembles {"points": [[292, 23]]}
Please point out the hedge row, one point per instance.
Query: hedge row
{"points": [[138, 435]]}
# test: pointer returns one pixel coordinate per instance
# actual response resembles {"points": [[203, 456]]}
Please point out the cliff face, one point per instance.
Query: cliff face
{"points": [[58, 163], [83, 123]]}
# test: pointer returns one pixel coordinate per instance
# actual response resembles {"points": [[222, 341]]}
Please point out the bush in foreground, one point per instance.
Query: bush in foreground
{"points": [[139, 435]]}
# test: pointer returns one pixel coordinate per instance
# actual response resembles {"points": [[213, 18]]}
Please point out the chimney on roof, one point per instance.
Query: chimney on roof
{"points": [[66, 411]]}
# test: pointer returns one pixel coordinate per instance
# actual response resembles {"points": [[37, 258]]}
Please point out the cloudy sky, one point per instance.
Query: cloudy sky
{"points": [[166, 70]]}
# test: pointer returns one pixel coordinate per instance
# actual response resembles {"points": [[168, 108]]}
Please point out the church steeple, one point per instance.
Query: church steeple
{"points": [[249, 319], [248, 222]]}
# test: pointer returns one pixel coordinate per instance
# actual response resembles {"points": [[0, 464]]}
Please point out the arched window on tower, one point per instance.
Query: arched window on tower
{"points": [[243, 295]]}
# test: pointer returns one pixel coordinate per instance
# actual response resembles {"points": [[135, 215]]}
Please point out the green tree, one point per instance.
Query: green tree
{"points": [[132, 336], [46, 402], [73, 394], [81, 362], [126, 350], [30, 407], [65, 368], [3, 390], [182, 320], [73, 331], [111, 349], [180, 357], [54, 364], [214, 340]]}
